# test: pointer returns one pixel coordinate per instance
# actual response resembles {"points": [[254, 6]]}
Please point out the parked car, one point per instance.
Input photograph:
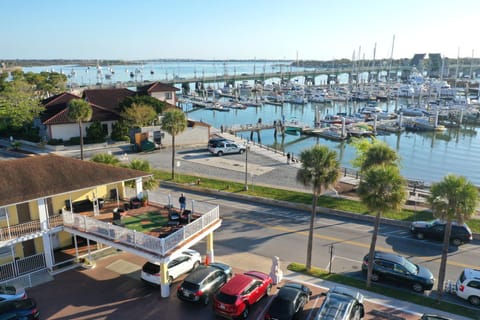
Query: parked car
{"points": [[433, 317], [25, 309], [8, 293], [234, 299], [203, 282], [226, 147], [341, 304], [289, 302], [435, 229], [468, 286], [215, 141], [393, 267], [181, 263]]}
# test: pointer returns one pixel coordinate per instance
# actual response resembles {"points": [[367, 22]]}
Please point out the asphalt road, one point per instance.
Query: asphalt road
{"points": [[268, 230]]}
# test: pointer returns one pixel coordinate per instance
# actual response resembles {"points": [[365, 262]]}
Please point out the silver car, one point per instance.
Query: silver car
{"points": [[226, 147]]}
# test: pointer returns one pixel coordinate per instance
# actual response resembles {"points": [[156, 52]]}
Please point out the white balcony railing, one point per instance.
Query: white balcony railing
{"points": [[140, 240]]}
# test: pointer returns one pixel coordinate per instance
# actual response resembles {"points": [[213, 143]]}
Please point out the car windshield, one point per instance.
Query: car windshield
{"points": [[411, 267], [190, 286]]}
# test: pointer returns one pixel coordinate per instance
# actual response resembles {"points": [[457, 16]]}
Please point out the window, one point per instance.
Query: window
{"points": [[168, 95], [3, 213], [5, 252], [474, 284]]}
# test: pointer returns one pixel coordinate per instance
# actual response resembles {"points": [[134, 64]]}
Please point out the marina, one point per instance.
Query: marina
{"points": [[427, 154]]}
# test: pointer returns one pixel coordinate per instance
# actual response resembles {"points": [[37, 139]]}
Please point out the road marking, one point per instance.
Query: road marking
{"points": [[340, 240]]}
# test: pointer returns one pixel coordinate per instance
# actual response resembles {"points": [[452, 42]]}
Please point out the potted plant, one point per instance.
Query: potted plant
{"points": [[145, 199]]}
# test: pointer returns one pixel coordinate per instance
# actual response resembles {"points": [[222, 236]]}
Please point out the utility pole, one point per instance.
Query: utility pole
{"points": [[246, 166]]}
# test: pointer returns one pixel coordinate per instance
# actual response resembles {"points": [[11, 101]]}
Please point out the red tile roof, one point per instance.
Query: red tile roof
{"points": [[156, 87], [107, 98]]}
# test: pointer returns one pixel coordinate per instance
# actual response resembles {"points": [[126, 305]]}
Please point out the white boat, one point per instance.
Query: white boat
{"points": [[423, 124], [412, 111]]}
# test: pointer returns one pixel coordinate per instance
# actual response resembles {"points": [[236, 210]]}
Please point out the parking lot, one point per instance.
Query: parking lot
{"points": [[113, 290]]}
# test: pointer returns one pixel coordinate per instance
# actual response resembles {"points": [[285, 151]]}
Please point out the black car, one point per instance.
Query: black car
{"points": [[200, 284], [435, 229], [341, 304], [393, 267], [433, 317], [25, 309], [289, 302]]}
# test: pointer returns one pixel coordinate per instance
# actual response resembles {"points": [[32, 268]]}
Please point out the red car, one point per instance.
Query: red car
{"points": [[240, 292]]}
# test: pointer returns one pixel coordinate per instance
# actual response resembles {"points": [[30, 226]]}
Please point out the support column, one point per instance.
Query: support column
{"points": [[47, 244], [164, 283], [210, 257], [139, 188]]}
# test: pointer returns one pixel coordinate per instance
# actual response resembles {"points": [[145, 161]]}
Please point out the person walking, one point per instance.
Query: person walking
{"points": [[288, 158], [183, 202]]}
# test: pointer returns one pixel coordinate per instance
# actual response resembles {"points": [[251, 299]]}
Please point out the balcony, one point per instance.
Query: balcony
{"points": [[158, 242], [16, 233]]}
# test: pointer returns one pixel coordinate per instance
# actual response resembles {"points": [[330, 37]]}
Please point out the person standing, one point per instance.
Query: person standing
{"points": [[183, 202], [288, 158]]}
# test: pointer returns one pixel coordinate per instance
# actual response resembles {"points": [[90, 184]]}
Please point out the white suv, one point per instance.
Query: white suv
{"points": [[181, 263], [468, 286], [225, 147]]}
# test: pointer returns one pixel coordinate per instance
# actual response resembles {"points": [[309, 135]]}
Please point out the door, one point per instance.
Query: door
{"points": [[28, 248], [23, 212], [50, 207]]}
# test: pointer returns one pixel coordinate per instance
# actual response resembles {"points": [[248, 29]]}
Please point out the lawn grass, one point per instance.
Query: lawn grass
{"points": [[145, 222], [341, 204], [403, 295]]}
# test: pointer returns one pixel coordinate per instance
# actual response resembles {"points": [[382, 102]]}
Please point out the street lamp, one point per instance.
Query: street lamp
{"points": [[246, 166]]}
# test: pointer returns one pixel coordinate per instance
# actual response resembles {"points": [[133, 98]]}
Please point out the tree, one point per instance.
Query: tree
{"points": [[106, 158], [158, 105], [174, 122], [139, 115], [120, 131], [79, 111], [381, 153], [453, 198], [18, 104], [142, 165], [95, 132], [320, 169], [381, 188]]}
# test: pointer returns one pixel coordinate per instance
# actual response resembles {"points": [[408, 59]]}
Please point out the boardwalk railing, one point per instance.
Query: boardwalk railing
{"points": [[160, 246]]}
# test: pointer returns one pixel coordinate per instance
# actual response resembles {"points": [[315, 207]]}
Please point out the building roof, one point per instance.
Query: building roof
{"points": [[56, 109], [107, 98], [37, 177], [156, 87]]}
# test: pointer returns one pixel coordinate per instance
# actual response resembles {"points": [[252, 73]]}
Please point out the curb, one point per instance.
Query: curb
{"points": [[291, 205]]}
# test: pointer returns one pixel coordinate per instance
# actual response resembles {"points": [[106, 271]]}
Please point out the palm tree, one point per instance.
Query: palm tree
{"points": [[453, 198], [379, 153], [381, 188], [142, 165], [174, 122], [320, 169], [106, 158], [79, 110]]}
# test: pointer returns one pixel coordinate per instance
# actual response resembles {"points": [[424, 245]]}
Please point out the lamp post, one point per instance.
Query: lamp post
{"points": [[246, 167]]}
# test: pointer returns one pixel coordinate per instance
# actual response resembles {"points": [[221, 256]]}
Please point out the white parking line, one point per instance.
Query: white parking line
{"points": [[312, 309]]}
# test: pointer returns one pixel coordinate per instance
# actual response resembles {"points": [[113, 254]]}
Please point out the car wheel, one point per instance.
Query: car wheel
{"points": [[474, 300], [456, 242], [420, 236], [375, 277], [219, 153], [206, 299], [269, 289], [241, 151], [170, 280], [417, 287], [245, 312]]}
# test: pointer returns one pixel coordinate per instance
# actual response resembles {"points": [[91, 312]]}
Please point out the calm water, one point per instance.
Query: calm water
{"points": [[425, 156]]}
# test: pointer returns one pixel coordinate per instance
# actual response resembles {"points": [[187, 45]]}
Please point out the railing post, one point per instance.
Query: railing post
{"points": [[85, 223]]}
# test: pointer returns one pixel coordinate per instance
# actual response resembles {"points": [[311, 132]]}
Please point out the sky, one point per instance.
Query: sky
{"points": [[233, 29]]}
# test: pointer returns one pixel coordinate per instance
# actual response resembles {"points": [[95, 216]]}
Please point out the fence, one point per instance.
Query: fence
{"points": [[140, 240], [22, 266]]}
